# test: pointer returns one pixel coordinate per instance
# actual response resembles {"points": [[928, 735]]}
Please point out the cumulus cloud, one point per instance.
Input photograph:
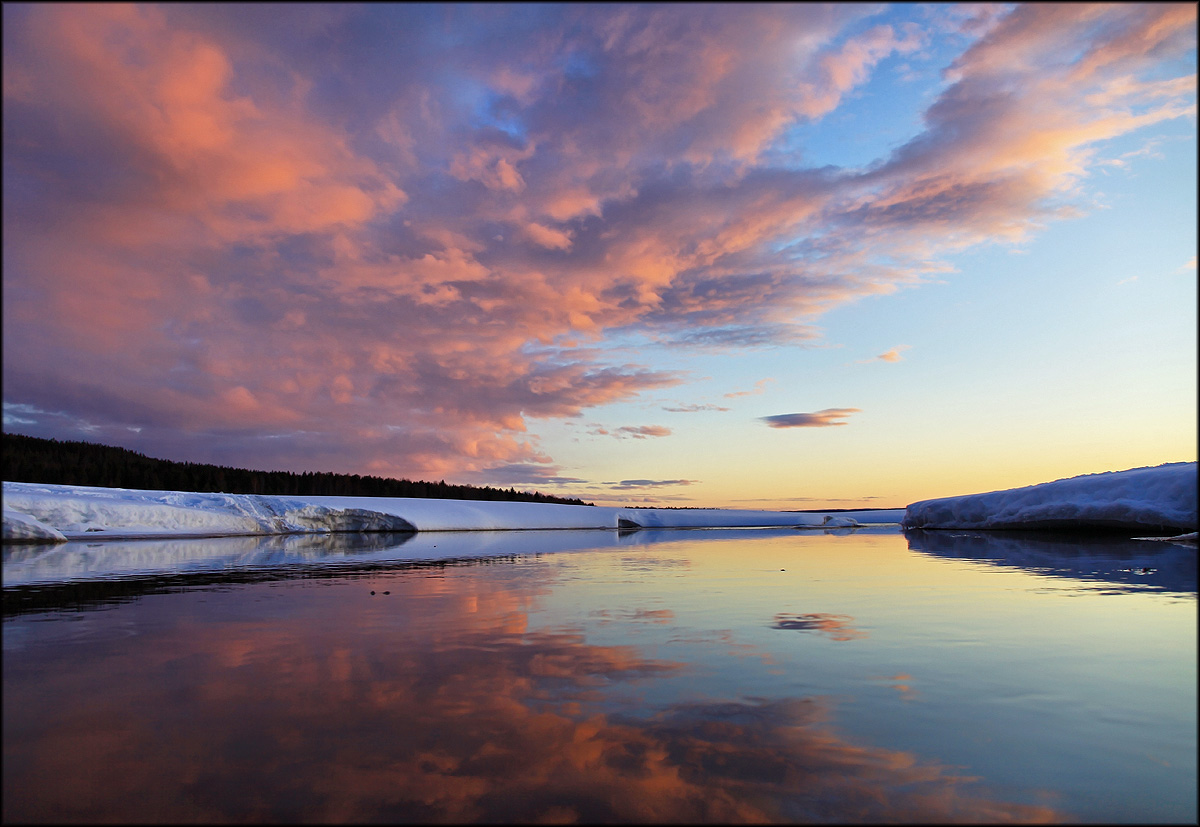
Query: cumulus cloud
{"points": [[225, 222], [821, 419]]}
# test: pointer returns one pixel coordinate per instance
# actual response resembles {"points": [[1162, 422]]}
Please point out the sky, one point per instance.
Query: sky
{"points": [[777, 256]]}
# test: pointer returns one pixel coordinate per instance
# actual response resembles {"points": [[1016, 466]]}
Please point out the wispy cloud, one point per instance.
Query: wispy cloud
{"points": [[820, 419], [631, 431], [892, 355], [624, 485], [525, 475], [854, 500], [642, 431], [759, 387], [694, 408], [15, 414]]}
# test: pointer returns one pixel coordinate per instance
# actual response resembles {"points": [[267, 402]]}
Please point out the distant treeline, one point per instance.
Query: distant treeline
{"points": [[31, 459]]}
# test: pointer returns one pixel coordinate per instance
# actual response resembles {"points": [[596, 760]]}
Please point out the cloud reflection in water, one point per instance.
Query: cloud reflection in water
{"points": [[310, 701], [836, 627]]}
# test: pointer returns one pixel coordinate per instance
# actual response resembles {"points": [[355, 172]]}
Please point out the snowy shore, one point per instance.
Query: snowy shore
{"points": [[1159, 500], [56, 513]]}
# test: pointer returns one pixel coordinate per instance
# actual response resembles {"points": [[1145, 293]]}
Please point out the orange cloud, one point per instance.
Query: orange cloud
{"points": [[239, 168], [892, 355]]}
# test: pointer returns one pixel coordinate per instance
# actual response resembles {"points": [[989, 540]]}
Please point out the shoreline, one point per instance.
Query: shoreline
{"points": [[56, 513], [1159, 500]]}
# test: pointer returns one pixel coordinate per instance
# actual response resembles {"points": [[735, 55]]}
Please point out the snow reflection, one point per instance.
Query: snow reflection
{"points": [[1117, 563]]}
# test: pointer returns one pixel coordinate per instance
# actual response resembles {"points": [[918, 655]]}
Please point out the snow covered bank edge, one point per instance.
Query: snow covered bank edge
{"points": [[1157, 500], [56, 513]]}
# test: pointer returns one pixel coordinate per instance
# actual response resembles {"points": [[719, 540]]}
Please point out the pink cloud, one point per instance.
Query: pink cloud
{"points": [[235, 168], [759, 387], [851, 65], [1010, 141], [642, 431], [268, 243], [548, 237]]}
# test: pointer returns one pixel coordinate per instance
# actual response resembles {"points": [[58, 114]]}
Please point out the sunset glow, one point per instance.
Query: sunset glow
{"points": [[741, 256]]}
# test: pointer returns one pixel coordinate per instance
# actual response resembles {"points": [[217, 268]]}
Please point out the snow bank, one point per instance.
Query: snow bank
{"points": [[21, 528], [1155, 500], [1158, 499], [53, 513], [475, 515], [59, 512]]}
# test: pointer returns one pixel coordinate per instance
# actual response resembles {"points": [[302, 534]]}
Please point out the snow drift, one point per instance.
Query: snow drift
{"points": [[1160, 499]]}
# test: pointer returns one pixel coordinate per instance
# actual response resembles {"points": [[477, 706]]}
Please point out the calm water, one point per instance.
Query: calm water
{"points": [[744, 675]]}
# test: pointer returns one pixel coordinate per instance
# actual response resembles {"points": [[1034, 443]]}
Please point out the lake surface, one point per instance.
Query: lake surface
{"points": [[559, 676]]}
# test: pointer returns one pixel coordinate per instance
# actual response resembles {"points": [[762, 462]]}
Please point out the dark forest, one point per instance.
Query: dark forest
{"points": [[31, 459]]}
